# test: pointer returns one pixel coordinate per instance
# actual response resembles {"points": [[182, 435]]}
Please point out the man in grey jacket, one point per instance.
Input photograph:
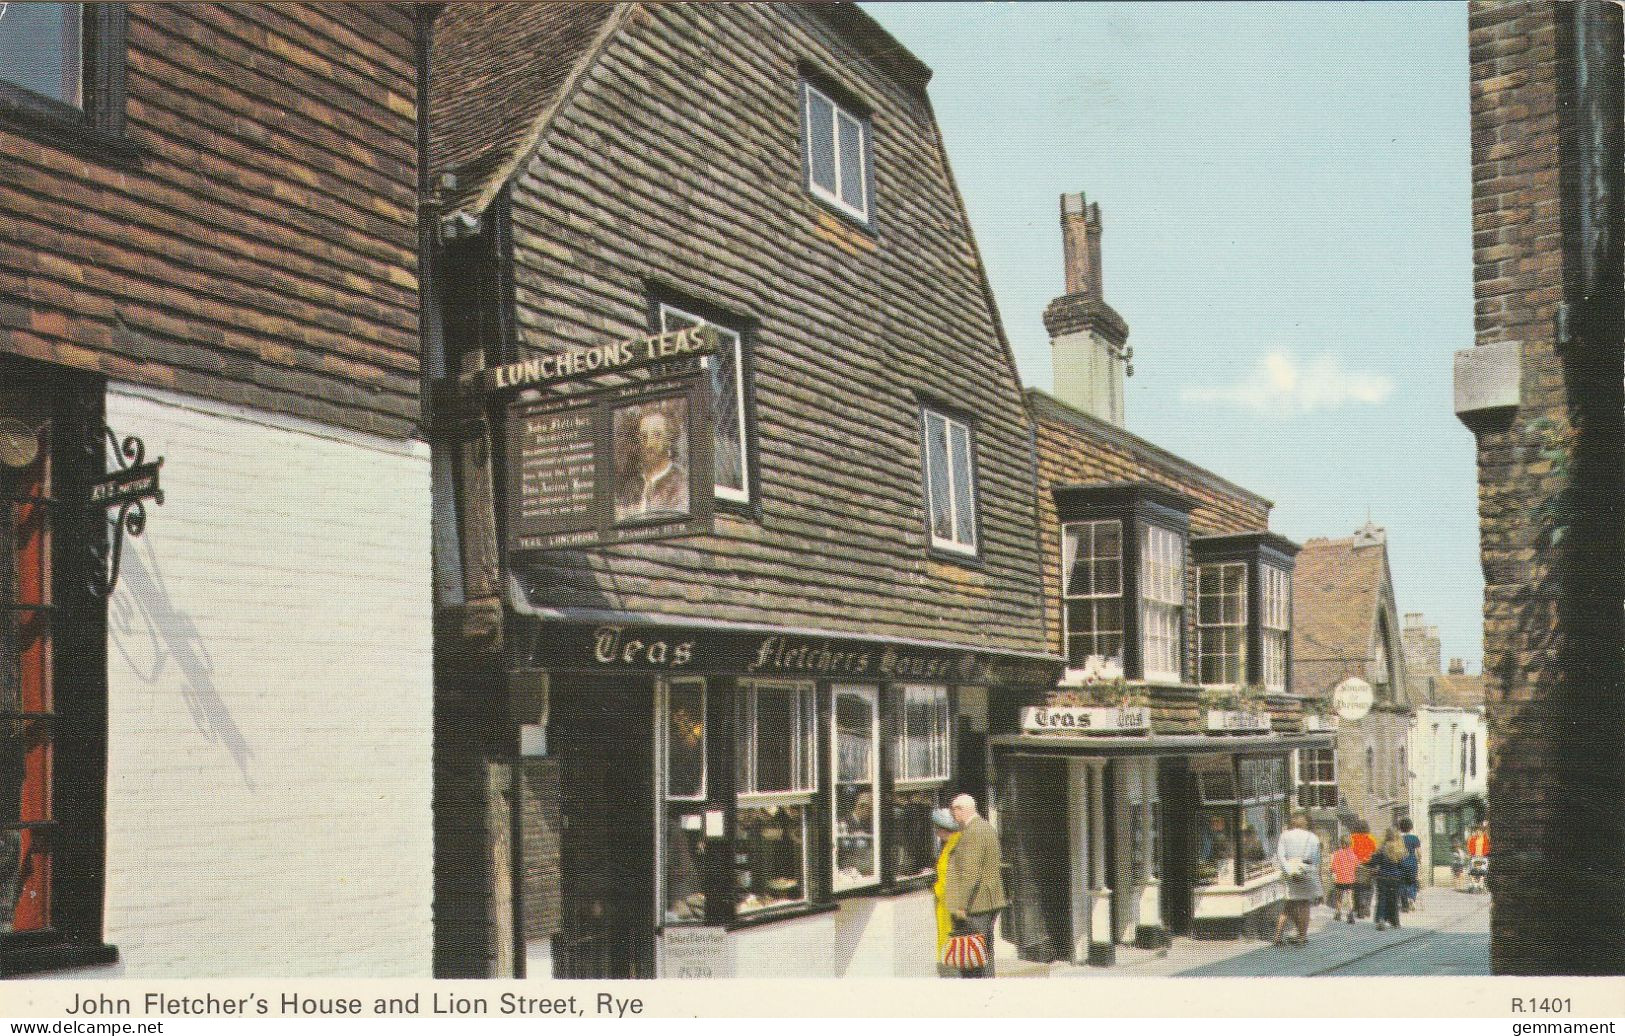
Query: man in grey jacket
{"points": [[975, 888]]}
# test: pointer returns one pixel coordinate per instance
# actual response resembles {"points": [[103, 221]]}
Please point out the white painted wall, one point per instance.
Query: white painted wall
{"points": [[270, 697]]}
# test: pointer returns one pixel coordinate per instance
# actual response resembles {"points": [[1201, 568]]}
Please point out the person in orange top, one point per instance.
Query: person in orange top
{"points": [[1479, 843], [1345, 866], [1364, 847], [1478, 856]]}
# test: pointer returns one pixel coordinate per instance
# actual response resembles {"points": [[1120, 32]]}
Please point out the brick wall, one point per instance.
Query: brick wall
{"points": [[1552, 642], [269, 686], [262, 249]]}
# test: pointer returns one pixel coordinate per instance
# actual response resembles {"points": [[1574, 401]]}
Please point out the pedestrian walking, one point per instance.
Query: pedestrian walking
{"points": [[1364, 847], [1413, 849], [947, 830], [1389, 862], [974, 890], [1345, 867], [1458, 862], [1478, 856], [1297, 854]]}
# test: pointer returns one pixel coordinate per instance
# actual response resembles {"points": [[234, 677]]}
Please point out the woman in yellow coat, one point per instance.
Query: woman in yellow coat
{"points": [[947, 829]]}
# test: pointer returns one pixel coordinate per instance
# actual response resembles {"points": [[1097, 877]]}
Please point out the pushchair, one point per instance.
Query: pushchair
{"points": [[1478, 871]]}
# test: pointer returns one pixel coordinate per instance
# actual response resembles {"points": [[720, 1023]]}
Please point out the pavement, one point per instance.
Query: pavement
{"points": [[1449, 934]]}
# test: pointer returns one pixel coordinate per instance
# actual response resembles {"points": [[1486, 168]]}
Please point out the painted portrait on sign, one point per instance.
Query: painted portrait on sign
{"points": [[651, 460]]}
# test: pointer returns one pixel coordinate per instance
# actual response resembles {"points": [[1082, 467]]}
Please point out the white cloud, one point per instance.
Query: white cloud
{"points": [[1281, 383]]}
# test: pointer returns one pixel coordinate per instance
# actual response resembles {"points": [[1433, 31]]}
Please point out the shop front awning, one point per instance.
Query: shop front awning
{"points": [[1158, 744], [1455, 800]]}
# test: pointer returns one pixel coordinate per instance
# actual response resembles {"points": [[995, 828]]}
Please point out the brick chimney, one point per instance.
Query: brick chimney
{"points": [[1457, 668], [1088, 339]]}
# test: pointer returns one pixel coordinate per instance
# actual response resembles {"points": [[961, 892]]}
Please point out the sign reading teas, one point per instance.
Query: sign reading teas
{"points": [[1074, 719]]}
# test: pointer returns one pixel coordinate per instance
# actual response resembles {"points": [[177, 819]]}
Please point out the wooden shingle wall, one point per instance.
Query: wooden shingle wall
{"points": [[678, 164], [262, 249]]}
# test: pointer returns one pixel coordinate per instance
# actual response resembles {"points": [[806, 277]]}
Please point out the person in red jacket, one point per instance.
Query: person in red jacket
{"points": [[1364, 847]]}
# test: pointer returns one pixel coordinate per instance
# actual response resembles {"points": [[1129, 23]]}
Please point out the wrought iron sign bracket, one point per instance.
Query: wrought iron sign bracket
{"points": [[127, 488]]}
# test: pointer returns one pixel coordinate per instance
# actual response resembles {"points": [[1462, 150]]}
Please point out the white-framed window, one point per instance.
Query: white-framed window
{"points": [[683, 782], [776, 775], [950, 483], [1092, 590], [1221, 624], [855, 764], [729, 454], [1162, 602], [42, 49], [921, 762], [1317, 778], [837, 153], [1275, 624]]}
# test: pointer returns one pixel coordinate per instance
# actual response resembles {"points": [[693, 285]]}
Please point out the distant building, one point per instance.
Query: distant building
{"points": [[1346, 627], [1449, 775], [1422, 650]]}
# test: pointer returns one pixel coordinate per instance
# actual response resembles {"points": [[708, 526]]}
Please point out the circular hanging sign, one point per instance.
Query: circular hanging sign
{"points": [[1352, 698], [19, 444]]}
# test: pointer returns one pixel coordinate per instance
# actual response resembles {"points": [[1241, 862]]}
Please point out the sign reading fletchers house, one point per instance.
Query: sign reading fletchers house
{"points": [[610, 465]]}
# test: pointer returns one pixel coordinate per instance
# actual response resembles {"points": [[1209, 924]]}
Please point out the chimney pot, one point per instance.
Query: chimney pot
{"points": [[1080, 246], [1457, 667]]}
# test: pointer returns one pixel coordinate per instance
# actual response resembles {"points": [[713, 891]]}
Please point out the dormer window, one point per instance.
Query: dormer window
{"points": [[1123, 579], [1244, 610], [837, 152]]}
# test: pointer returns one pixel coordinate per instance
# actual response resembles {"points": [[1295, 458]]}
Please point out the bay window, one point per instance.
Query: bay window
{"points": [[1244, 610], [1240, 816], [1317, 778], [1122, 583]]}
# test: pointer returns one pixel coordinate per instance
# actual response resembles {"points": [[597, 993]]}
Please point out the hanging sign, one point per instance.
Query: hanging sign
{"points": [[1352, 699], [127, 487], [632, 462], [575, 364]]}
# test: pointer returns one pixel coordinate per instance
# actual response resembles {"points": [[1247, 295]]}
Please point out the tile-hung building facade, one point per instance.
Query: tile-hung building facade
{"points": [[1541, 391], [1448, 747], [222, 766], [1346, 628], [717, 754], [1144, 794]]}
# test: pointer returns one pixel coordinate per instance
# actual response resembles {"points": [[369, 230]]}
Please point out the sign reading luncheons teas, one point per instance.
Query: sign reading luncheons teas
{"points": [[615, 464], [1077, 719]]}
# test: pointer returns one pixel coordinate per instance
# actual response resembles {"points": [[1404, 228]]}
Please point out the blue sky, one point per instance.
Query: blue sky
{"points": [[1286, 196]]}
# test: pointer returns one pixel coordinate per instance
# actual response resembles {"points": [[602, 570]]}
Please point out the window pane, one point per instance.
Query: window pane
{"points": [[685, 741], [1215, 846], [775, 740], [853, 187], [727, 402], [685, 863], [913, 839], [1108, 539], [964, 496], [770, 862], [857, 829], [821, 140], [40, 49], [854, 735], [923, 749], [936, 446]]}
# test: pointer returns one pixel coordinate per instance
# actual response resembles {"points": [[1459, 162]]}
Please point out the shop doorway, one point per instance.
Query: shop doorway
{"points": [[1177, 790], [603, 735], [1037, 853]]}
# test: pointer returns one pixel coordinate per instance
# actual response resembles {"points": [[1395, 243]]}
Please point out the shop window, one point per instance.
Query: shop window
{"points": [[62, 72], [1317, 778], [684, 745], [1239, 819], [837, 142], [1276, 623], [1263, 787], [856, 767], [730, 453], [950, 483], [1162, 602], [776, 776], [1092, 591], [921, 766], [1144, 820], [1221, 624]]}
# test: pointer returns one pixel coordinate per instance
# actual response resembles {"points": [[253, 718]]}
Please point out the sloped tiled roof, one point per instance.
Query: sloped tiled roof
{"points": [[498, 71], [1336, 593], [1459, 690]]}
